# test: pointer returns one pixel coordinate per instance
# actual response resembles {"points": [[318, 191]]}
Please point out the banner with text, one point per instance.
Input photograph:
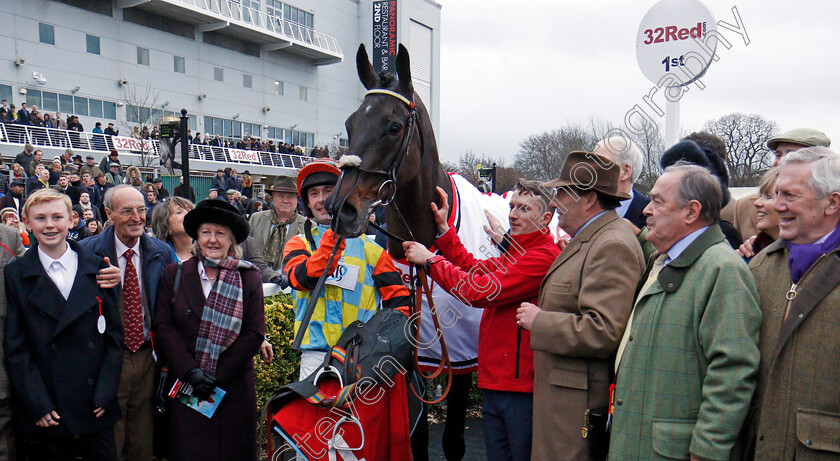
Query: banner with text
{"points": [[133, 145], [239, 155], [385, 36]]}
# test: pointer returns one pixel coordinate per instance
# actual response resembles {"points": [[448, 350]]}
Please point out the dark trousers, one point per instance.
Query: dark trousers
{"points": [[453, 430], [7, 432], [98, 446], [507, 425]]}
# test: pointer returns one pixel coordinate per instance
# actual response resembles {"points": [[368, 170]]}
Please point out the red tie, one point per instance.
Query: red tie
{"points": [[132, 305]]}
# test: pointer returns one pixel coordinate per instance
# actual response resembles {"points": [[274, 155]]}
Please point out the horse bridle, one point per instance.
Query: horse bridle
{"points": [[388, 189]]}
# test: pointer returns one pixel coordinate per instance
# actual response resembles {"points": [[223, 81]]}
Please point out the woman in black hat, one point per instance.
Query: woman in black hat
{"points": [[208, 334]]}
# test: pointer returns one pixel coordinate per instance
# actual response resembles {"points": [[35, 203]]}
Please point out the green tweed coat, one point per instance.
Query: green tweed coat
{"points": [[798, 395], [688, 372]]}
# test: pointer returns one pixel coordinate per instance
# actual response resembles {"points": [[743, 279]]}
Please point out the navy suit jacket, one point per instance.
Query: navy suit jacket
{"points": [[635, 211], [55, 355], [155, 254]]}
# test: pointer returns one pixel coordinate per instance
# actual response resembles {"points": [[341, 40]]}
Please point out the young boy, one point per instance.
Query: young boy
{"points": [[63, 340]]}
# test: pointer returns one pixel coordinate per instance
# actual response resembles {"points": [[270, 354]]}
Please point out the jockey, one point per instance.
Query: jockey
{"points": [[362, 275]]}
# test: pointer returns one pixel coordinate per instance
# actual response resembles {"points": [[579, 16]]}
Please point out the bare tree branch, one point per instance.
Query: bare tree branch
{"points": [[745, 136]]}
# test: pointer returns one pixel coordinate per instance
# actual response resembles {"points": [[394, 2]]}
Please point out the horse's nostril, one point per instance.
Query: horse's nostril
{"points": [[348, 213]]}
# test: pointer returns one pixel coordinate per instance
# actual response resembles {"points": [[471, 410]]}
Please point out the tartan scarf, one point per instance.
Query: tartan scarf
{"points": [[222, 316], [273, 253]]}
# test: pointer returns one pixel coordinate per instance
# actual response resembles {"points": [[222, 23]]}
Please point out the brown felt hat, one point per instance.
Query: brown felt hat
{"points": [[588, 171], [283, 184]]}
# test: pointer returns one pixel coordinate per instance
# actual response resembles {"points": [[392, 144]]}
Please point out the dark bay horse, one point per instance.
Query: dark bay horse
{"points": [[393, 159], [408, 174]]}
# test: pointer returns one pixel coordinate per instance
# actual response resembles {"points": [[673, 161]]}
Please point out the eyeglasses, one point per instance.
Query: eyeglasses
{"points": [[128, 212]]}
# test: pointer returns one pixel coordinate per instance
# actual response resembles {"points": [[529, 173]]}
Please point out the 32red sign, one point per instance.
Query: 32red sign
{"points": [[673, 33]]}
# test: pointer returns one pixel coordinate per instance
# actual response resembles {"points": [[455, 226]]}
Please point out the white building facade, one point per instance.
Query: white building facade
{"points": [[267, 69]]}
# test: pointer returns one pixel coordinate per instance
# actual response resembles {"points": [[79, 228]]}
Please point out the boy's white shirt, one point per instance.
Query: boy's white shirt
{"points": [[62, 271]]}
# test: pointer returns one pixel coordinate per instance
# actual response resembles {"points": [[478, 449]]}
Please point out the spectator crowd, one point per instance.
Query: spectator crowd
{"points": [[31, 116], [683, 325]]}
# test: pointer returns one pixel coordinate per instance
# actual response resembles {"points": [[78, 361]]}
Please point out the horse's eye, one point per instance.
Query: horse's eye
{"points": [[394, 128]]}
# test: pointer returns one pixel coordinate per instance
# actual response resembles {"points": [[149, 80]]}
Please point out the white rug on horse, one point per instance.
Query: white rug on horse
{"points": [[459, 322]]}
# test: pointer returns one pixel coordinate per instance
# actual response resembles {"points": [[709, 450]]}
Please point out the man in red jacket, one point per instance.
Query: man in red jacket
{"points": [[499, 285]]}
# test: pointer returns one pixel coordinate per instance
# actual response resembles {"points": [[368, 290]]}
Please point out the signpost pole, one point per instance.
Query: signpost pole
{"points": [[185, 151], [672, 122]]}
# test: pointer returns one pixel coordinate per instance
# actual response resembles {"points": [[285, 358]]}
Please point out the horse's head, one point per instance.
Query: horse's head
{"points": [[385, 145]]}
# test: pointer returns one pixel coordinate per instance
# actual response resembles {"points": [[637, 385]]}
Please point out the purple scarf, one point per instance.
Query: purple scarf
{"points": [[803, 256]]}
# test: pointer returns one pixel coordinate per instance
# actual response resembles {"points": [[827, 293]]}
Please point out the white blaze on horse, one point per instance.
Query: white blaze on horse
{"points": [[393, 161]]}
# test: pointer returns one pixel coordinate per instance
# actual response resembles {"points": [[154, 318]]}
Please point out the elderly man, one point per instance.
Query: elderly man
{"points": [[745, 216], [585, 301], [274, 227], [515, 277], [627, 156], [90, 167], [113, 175], [141, 260], [687, 362], [797, 276]]}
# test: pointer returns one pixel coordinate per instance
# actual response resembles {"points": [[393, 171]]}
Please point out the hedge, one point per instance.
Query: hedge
{"points": [[279, 327]]}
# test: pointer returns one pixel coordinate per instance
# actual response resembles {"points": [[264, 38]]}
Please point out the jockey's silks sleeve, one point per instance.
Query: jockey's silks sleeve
{"points": [[303, 268]]}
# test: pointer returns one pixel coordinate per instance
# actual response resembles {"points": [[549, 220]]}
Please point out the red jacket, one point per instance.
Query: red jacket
{"points": [[499, 285]]}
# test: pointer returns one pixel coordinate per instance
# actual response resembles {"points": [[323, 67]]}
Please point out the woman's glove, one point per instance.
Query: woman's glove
{"points": [[202, 383]]}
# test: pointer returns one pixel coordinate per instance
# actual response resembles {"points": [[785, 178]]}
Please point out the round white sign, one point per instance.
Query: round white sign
{"points": [[676, 42]]}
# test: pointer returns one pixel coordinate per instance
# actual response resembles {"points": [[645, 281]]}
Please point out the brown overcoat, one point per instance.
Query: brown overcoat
{"points": [[586, 298], [798, 394], [232, 432]]}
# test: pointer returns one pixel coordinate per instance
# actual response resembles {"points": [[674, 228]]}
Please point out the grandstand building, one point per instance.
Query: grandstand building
{"points": [[267, 69]]}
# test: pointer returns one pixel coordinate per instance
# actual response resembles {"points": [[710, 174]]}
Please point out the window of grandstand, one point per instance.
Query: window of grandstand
{"points": [[247, 80], [66, 103], [302, 138], [96, 6], [343, 142], [218, 74], [142, 56], [46, 33], [180, 65], [296, 15], [92, 44], [280, 134], [230, 130], [278, 88], [80, 105], [304, 93], [149, 116], [6, 93]]}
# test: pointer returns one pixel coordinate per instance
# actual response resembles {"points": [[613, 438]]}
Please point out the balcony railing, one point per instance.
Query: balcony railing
{"points": [[293, 32], [97, 142]]}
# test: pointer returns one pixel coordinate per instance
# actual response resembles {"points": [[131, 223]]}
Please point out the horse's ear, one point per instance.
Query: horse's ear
{"points": [[404, 72], [365, 68]]}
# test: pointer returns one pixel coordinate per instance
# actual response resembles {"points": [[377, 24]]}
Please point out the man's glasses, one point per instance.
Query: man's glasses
{"points": [[128, 212]]}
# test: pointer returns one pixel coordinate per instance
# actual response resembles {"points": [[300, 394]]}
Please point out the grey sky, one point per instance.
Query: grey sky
{"points": [[509, 70]]}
